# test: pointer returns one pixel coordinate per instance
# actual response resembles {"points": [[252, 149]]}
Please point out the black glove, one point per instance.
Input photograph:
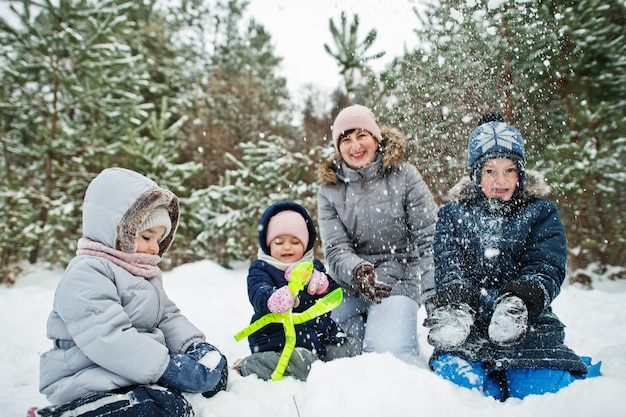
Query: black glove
{"points": [[368, 286], [509, 321], [449, 325]]}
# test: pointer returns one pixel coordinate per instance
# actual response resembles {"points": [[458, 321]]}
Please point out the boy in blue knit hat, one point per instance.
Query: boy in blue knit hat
{"points": [[500, 260]]}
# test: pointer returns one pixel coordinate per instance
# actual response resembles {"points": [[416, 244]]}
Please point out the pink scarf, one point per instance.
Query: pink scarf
{"points": [[139, 264]]}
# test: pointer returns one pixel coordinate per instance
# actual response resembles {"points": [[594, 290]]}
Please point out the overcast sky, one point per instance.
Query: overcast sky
{"points": [[300, 29]]}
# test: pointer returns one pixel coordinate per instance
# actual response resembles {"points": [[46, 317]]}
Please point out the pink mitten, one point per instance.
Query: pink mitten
{"points": [[318, 283], [289, 270], [281, 301]]}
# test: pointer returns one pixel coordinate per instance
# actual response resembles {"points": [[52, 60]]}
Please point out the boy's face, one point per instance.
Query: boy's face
{"points": [[358, 148], [286, 248], [148, 240], [499, 178]]}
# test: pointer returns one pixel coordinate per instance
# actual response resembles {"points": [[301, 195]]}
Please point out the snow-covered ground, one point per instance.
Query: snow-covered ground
{"points": [[370, 385]]}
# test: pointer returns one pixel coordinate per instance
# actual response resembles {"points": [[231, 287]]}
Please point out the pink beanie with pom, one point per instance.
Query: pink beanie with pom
{"points": [[287, 222], [355, 117]]}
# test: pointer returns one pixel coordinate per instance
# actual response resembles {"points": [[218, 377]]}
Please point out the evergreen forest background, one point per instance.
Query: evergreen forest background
{"points": [[189, 94]]}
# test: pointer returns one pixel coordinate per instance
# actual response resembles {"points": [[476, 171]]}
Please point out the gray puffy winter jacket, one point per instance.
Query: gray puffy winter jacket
{"points": [[111, 329], [383, 214]]}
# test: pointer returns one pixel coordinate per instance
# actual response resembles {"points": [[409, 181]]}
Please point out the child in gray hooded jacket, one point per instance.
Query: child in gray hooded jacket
{"points": [[120, 345]]}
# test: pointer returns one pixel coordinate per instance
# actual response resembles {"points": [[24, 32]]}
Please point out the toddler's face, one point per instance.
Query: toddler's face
{"points": [[286, 248], [499, 178], [148, 240]]}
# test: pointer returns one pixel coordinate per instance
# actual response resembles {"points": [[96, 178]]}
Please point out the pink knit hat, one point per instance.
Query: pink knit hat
{"points": [[355, 117], [287, 222]]}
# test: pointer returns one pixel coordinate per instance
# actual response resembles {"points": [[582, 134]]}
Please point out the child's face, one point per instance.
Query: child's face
{"points": [[286, 248], [499, 178], [358, 148], [148, 240]]}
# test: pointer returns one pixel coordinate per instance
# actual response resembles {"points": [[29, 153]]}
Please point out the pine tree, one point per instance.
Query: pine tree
{"points": [[155, 155], [226, 215], [556, 71], [240, 95], [71, 92], [351, 54], [316, 121], [589, 158], [436, 93], [90, 84]]}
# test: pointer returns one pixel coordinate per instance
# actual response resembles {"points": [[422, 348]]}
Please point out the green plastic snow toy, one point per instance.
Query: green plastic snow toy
{"points": [[299, 277]]}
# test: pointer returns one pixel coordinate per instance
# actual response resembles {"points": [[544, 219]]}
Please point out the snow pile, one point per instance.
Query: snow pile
{"points": [[374, 385]]}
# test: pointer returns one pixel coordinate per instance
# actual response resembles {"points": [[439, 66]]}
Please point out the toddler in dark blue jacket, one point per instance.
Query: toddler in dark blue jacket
{"points": [[286, 237]]}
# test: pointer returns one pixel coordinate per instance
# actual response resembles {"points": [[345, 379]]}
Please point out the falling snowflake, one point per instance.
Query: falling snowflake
{"points": [[491, 252]]}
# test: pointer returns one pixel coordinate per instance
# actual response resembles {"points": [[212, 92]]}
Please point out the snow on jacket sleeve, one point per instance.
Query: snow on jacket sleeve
{"points": [[543, 261], [261, 286], [453, 278], [91, 307], [338, 246]]}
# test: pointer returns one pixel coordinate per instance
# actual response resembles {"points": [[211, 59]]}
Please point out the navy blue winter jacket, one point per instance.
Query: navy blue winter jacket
{"points": [[264, 279], [483, 250]]}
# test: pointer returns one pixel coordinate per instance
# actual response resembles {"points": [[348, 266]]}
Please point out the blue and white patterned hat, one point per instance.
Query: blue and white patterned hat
{"points": [[495, 140]]}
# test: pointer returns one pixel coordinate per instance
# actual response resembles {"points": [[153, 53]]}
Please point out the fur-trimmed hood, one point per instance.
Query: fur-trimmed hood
{"points": [[117, 202], [535, 186], [392, 146]]}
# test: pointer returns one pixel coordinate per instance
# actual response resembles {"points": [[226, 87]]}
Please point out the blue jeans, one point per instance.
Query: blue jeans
{"points": [[390, 326], [512, 382], [153, 401]]}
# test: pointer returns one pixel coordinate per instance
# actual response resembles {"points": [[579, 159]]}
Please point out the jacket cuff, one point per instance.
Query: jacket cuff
{"points": [[360, 264], [531, 293], [455, 294], [429, 296], [190, 342]]}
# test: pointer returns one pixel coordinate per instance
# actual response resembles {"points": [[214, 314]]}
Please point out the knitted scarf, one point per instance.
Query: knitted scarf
{"points": [[139, 264], [278, 263]]}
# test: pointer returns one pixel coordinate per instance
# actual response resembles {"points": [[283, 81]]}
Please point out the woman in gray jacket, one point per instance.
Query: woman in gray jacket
{"points": [[377, 218], [120, 345]]}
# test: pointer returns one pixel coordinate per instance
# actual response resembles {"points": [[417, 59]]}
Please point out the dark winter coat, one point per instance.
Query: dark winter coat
{"points": [[486, 248], [110, 328], [383, 214], [264, 279]]}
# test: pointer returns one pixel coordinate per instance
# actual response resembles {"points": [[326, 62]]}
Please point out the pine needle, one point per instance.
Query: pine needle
{"points": [[296, 404]]}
